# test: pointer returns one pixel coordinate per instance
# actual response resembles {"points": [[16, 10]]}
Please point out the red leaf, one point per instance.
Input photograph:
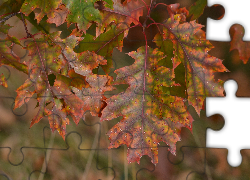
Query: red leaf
{"points": [[191, 48], [93, 97], [150, 114]]}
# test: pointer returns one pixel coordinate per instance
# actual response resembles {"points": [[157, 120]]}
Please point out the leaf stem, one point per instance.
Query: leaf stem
{"points": [[25, 26], [44, 69]]}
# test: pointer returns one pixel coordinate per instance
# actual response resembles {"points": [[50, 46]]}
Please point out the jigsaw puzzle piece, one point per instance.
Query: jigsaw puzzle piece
{"points": [[217, 166], [80, 150], [190, 155], [227, 106], [12, 116], [81, 160], [4, 176], [235, 12], [188, 163], [237, 33], [20, 157]]}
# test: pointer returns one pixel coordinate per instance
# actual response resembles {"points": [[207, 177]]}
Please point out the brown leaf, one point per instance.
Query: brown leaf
{"points": [[60, 16]]}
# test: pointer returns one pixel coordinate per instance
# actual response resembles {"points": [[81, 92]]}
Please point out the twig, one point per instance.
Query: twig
{"points": [[125, 164], [47, 157], [93, 148], [25, 26], [9, 16]]}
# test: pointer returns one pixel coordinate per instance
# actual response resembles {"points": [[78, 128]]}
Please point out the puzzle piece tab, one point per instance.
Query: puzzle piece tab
{"points": [[236, 113], [235, 12]]}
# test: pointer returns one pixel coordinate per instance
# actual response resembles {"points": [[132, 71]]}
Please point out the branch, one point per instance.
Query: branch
{"points": [[9, 16]]}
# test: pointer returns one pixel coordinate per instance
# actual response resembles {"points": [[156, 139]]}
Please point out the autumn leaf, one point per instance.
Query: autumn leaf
{"points": [[86, 62], [191, 49], [169, 75], [174, 9], [47, 7], [56, 115], [122, 15], [103, 45], [45, 60], [83, 63], [73, 79], [44, 53], [25, 92], [112, 29], [150, 114], [7, 56], [4, 28], [74, 106], [93, 97], [237, 33], [3, 81], [60, 16]]}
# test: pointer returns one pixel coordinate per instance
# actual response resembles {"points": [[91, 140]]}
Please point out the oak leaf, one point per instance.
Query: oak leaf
{"points": [[83, 12], [191, 49], [93, 97], [47, 7], [122, 15], [45, 60], [150, 114], [60, 16], [103, 45]]}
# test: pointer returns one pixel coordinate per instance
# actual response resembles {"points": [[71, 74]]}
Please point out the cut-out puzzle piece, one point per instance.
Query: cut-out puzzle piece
{"points": [[235, 12], [235, 132], [237, 33]]}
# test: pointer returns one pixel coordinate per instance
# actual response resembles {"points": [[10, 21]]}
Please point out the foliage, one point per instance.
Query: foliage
{"points": [[171, 73]]}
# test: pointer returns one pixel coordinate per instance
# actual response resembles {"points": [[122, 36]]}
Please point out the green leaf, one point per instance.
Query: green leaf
{"points": [[83, 12], [4, 28], [13, 40], [7, 56], [11, 6], [103, 45], [196, 10]]}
